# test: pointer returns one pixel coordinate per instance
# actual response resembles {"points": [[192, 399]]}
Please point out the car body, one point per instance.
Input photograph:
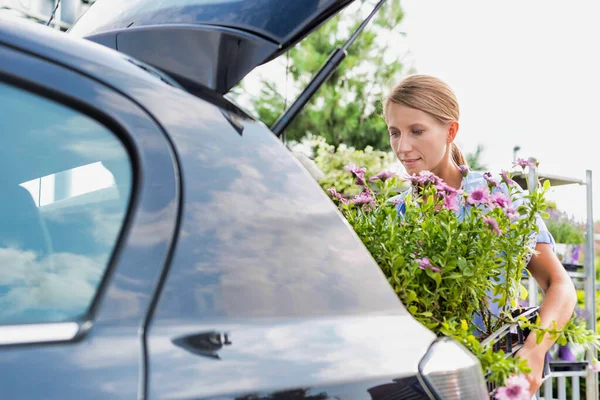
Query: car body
{"points": [[185, 253]]}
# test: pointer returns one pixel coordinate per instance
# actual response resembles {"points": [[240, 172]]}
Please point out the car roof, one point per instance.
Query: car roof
{"points": [[77, 54], [214, 43], [118, 71]]}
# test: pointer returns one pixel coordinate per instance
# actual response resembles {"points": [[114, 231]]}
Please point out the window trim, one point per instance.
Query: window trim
{"points": [[11, 335], [69, 331]]}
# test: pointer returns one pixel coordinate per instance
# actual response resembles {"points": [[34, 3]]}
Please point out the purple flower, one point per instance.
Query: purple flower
{"points": [[464, 170], [423, 178], [521, 162], [491, 181], [359, 173], [429, 176], [500, 199], [424, 263], [362, 198], [565, 354], [383, 176], [512, 214], [493, 224], [517, 388], [398, 200], [334, 193], [479, 196], [575, 254], [441, 186], [581, 313], [354, 169], [506, 178], [451, 201]]}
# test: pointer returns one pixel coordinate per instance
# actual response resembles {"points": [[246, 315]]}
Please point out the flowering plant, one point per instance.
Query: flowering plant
{"points": [[456, 259]]}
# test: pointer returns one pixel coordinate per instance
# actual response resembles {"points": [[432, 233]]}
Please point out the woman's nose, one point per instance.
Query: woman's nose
{"points": [[403, 145]]}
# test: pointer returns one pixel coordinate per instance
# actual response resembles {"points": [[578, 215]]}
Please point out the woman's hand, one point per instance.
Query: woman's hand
{"points": [[535, 356]]}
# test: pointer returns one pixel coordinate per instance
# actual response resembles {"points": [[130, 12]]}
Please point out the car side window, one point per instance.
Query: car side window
{"points": [[65, 185]]}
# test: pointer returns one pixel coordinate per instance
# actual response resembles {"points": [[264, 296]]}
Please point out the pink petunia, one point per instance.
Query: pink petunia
{"points": [[512, 214], [424, 263], [334, 193], [398, 200], [451, 201], [517, 388], [491, 181], [521, 162], [500, 199], [493, 224], [359, 173], [480, 195], [362, 198], [506, 178], [383, 176], [441, 186]]}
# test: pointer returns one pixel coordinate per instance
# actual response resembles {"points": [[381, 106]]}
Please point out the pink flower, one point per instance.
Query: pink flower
{"points": [[479, 196], [493, 224], [429, 176], [512, 214], [362, 198], [337, 195], [441, 186], [491, 181], [521, 162], [424, 263], [451, 201], [595, 366], [517, 388], [423, 178], [383, 175], [506, 178], [464, 170], [359, 173], [500, 199]]}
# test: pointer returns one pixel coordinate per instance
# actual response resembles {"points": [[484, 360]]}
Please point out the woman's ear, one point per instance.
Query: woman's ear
{"points": [[452, 131]]}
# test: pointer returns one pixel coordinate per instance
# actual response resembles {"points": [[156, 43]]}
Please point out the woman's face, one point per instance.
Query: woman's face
{"points": [[419, 140]]}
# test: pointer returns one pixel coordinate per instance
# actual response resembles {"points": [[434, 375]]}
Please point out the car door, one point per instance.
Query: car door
{"points": [[88, 214]]}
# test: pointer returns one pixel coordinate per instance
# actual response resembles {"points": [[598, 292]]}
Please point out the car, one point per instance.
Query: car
{"points": [[158, 242]]}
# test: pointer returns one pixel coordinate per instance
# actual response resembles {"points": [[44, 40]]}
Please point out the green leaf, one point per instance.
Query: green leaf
{"points": [[463, 325], [411, 297], [547, 184], [437, 277], [539, 336], [523, 292]]}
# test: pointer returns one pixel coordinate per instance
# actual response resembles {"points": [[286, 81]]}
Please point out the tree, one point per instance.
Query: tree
{"points": [[474, 159], [347, 108]]}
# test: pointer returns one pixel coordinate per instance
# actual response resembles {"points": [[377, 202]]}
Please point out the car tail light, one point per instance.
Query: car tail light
{"points": [[449, 371]]}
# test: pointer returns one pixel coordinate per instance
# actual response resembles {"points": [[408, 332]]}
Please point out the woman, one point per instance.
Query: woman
{"points": [[422, 114]]}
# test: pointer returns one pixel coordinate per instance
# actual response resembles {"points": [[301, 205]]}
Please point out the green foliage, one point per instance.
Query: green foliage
{"points": [[331, 161], [443, 267], [565, 232], [474, 159], [563, 229], [347, 108]]}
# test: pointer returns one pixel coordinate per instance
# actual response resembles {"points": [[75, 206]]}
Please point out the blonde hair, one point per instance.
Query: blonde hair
{"points": [[432, 96]]}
